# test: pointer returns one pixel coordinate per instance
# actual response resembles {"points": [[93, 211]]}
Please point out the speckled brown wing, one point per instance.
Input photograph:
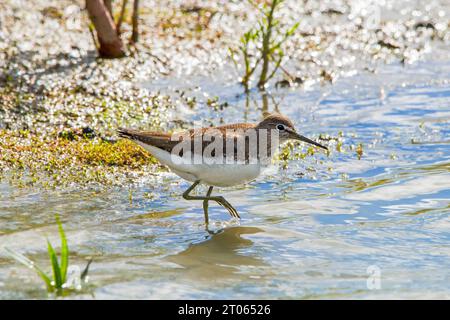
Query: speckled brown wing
{"points": [[162, 140], [167, 141]]}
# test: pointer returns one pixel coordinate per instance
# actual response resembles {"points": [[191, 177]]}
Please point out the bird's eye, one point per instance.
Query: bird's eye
{"points": [[280, 127]]}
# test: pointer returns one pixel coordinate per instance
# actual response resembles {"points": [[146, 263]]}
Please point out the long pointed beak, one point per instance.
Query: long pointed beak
{"points": [[296, 136]]}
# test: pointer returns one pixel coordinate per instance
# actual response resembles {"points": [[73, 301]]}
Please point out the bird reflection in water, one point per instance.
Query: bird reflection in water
{"points": [[221, 255]]}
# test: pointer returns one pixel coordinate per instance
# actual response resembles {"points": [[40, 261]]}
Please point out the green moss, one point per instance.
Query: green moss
{"points": [[121, 153], [31, 159]]}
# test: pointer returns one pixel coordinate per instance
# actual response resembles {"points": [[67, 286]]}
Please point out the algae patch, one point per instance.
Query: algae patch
{"points": [[28, 159]]}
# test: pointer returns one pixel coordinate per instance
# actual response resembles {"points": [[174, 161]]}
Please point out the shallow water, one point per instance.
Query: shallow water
{"points": [[314, 230]]}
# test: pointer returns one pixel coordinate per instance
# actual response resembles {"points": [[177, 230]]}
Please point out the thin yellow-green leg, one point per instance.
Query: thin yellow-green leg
{"points": [[205, 205], [220, 200]]}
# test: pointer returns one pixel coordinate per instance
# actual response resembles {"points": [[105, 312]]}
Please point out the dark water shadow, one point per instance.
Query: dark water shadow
{"points": [[219, 256]]}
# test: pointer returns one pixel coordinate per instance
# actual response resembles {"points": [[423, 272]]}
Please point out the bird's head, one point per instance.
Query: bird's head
{"points": [[285, 128]]}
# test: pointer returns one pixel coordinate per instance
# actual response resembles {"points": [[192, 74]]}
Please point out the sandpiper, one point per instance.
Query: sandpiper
{"points": [[220, 156]]}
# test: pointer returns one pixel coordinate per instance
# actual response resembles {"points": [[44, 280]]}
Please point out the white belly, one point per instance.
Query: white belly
{"points": [[219, 175], [225, 175]]}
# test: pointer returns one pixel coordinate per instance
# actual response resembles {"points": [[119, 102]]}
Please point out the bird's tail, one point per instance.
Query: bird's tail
{"points": [[156, 139], [127, 133]]}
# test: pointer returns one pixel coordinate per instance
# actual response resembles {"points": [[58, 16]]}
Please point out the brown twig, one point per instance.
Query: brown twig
{"points": [[121, 16], [108, 5], [135, 33]]}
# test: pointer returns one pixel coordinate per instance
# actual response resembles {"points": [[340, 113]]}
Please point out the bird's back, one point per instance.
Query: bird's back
{"points": [[167, 141]]}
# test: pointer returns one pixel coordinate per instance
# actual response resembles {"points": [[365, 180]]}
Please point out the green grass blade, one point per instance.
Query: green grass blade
{"points": [[55, 266], [30, 264], [64, 251]]}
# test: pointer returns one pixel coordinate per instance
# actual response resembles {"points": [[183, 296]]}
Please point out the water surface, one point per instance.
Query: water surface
{"points": [[313, 230]]}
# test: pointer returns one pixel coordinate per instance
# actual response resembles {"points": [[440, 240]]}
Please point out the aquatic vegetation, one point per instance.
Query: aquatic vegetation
{"points": [[267, 40], [294, 150], [57, 282], [68, 159], [59, 152], [359, 150]]}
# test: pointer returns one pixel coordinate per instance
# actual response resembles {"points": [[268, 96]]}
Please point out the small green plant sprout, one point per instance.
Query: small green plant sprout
{"points": [[262, 46], [359, 151], [58, 282]]}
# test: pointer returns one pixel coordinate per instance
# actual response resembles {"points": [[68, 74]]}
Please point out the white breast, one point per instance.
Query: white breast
{"points": [[220, 175], [225, 175]]}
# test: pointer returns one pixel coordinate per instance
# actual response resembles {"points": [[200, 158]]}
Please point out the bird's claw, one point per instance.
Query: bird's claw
{"points": [[233, 212]]}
